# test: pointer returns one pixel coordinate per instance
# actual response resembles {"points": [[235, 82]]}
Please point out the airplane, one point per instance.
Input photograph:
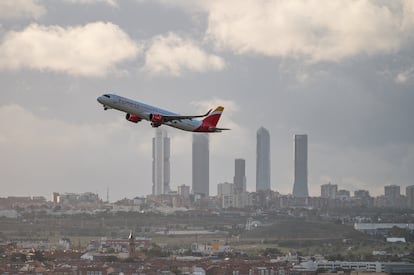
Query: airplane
{"points": [[137, 111]]}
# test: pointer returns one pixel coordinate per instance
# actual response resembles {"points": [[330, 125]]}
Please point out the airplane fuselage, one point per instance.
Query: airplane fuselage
{"points": [[137, 111]]}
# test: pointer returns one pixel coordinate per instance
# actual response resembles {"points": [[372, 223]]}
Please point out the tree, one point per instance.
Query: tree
{"points": [[38, 256], [18, 257]]}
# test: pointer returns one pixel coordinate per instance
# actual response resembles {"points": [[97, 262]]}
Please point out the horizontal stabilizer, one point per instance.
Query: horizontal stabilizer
{"points": [[214, 129]]}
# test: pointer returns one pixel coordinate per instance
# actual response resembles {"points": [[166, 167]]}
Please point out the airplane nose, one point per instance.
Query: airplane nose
{"points": [[99, 99]]}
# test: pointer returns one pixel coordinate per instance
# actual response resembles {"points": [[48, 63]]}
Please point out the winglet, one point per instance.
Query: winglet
{"points": [[219, 109]]}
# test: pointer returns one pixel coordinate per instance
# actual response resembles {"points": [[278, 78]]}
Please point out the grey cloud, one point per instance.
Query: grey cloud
{"points": [[21, 9], [113, 3], [314, 30]]}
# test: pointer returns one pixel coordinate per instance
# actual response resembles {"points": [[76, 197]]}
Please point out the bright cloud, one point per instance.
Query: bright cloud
{"points": [[20, 9], [90, 50], [405, 77], [318, 30], [172, 54], [230, 106]]}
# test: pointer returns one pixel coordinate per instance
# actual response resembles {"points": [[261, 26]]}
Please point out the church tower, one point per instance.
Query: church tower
{"points": [[131, 245]]}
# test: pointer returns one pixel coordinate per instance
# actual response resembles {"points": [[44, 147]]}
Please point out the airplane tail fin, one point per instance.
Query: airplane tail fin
{"points": [[209, 123], [212, 119]]}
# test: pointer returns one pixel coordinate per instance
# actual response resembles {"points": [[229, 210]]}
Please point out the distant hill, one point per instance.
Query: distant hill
{"points": [[299, 229]]}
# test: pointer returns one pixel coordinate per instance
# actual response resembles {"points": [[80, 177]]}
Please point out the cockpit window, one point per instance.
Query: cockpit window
{"points": [[107, 96]]}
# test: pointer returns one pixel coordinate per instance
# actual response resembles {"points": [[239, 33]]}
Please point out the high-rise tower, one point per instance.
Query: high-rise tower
{"points": [[300, 185], [263, 160], [201, 168], [239, 179], [160, 163]]}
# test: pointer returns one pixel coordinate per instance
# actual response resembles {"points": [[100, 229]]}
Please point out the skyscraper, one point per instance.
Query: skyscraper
{"points": [[239, 179], [263, 160], [160, 163], [201, 167], [300, 185]]}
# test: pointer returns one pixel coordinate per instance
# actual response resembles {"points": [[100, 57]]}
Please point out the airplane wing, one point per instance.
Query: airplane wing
{"points": [[167, 118]]}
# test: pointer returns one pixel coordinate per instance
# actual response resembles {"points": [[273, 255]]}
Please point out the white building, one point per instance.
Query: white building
{"points": [[333, 266], [209, 249], [225, 192]]}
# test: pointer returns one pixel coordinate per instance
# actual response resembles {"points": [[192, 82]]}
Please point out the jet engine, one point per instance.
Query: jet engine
{"points": [[156, 120], [133, 118]]}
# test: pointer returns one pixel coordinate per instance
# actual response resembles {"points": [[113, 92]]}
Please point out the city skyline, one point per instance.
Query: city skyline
{"points": [[349, 88], [161, 143], [391, 193], [161, 149]]}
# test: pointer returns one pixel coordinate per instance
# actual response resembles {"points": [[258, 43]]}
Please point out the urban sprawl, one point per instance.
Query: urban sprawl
{"points": [[187, 231]]}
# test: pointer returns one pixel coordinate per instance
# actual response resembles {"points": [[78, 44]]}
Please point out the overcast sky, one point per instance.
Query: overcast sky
{"points": [[340, 71]]}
